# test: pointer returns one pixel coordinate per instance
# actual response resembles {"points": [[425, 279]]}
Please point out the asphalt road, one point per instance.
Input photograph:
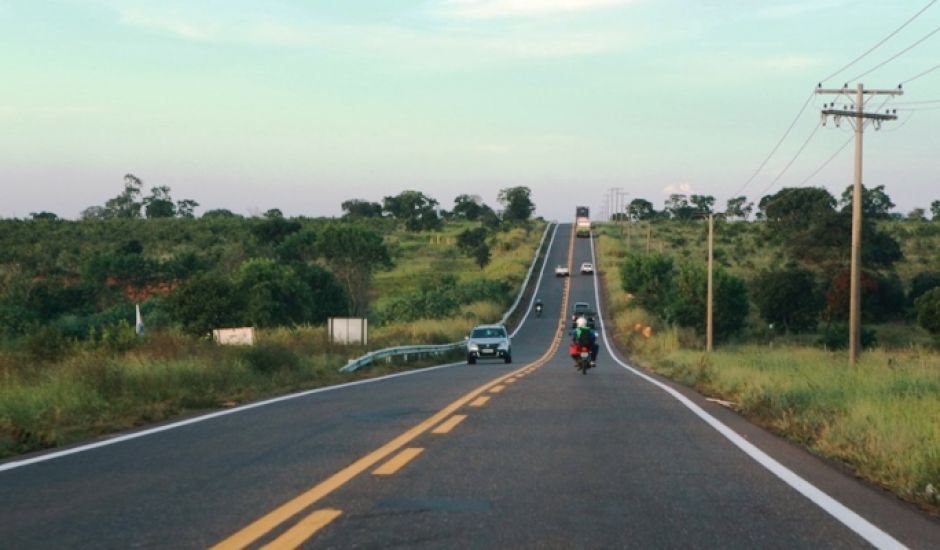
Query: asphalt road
{"points": [[552, 459]]}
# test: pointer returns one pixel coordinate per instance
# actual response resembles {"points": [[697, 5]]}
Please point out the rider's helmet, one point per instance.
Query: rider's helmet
{"points": [[581, 322]]}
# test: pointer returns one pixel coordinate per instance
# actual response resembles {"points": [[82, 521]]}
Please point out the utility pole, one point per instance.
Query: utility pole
{"points": [[859, 116], [709, 325]]}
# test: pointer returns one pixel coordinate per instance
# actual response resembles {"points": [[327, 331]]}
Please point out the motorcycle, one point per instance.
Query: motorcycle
{"points": [[581, 356], [538, 310]]}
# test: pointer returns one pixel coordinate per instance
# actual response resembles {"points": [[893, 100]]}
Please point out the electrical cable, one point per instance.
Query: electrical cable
{"points": [[777, 146], [830, 159], [789, 164], [883, 40], [897, 55], [913, 78]]}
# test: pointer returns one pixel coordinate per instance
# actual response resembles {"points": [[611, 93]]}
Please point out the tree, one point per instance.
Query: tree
{"points": [[159, 204], [299, 247], [791, 208], [689, 300], [274, 229], [94, 213], [703, 204], [482, 255], [928, 311], [876, 204], [359, 208], [469, 240], [416, 210], [47, 216], [126, 205], [468, 207], [922, 283], [641, 209], [205, 302], [186, 207], [789, 298], [353, 253], [935, 210], [917, 214], [649, 278], [517, 204], [679, 208], [274, 295], [220, 213], [738, 207]]}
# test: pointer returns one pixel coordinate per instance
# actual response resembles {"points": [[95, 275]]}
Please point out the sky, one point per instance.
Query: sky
{"points": [[302, 104]]}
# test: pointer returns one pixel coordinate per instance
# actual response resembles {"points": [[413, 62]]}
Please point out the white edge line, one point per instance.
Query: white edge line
{"points": [[538, 283], [836, 509], [150, 431], [173, 425]]}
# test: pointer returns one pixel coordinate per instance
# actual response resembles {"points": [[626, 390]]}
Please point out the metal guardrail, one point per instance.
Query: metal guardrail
{"points": [[384, 353]]}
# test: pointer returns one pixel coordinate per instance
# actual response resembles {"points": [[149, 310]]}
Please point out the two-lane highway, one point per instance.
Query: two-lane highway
{"points": [[528, 455]]}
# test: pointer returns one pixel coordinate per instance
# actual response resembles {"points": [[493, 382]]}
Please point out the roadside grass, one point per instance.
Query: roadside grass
{"points": [[91, 389], [878, 419]]}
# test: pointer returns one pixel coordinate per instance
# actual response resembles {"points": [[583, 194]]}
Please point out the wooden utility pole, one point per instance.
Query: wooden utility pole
{"points": [[859, 116], [709, 326]]}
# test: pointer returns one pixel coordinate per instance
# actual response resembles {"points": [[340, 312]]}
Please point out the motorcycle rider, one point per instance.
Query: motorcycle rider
{"points": [[586, 336], [538, 307]]}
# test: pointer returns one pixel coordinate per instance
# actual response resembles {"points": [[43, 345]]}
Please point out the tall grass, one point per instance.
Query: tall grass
{"points": [[879, 419]]}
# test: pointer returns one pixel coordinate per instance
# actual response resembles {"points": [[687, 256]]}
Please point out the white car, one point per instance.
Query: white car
{"points": [[562, 271], [587, 268]]}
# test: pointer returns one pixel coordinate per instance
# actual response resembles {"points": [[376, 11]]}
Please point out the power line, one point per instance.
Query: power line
{"points": [[810, 98], [883, 40], [789, 164], [830, 159], [777, 146], [897, 55], [913, 78]]}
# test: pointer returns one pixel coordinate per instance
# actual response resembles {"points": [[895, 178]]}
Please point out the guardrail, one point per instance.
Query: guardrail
{"points": [[422, 350]]}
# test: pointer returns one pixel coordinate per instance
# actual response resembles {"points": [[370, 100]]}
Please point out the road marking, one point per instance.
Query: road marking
{"points": [[268, 522], [497, 389], [398, 461], [480, 401], [305, 528], [449, 424], [862, 527], [510, 380]]}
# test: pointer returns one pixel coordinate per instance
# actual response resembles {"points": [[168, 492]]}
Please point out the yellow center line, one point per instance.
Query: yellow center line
{"points": [[306, 528], [480, 401], [270, 521], [510, 380], [497, 389], [398, 461], [449, 424]]}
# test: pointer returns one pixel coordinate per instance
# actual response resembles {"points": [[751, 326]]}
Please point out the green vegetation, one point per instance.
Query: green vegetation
{"points": [[72, 367], [782, 369]]}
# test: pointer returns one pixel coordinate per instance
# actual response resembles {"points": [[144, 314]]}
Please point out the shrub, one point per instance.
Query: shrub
{"points": [[205, 302], [789, 298], [689, 300], [836, 336], [928, 311], [921, 283], [267, 358], [649, 278]]}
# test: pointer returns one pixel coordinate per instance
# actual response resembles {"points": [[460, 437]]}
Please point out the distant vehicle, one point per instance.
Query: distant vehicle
{"points": [[582, 222], [488, 342], [587, 268], [582, 309], [562, 271]]}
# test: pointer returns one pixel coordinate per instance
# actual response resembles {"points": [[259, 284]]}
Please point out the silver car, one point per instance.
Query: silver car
{"points": [[488, 342]]}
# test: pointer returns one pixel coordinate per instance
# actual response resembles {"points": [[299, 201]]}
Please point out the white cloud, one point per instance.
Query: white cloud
{"points": [[441, 48], [678, 188], [484, 9]]}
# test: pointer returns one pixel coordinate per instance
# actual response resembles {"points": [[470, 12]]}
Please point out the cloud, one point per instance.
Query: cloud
{"points": [[425, 47], [678, 188], [486, 9]]}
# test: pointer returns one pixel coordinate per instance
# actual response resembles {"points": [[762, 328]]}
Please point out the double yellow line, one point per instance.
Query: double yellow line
{"points": [[310, 524]]}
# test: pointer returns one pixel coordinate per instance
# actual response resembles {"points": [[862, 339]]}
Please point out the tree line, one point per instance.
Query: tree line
{"points": [[808, 284]]}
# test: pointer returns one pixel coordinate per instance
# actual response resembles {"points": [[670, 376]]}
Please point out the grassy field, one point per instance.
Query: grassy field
{"points": [[103, 387], [879, 418]]}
